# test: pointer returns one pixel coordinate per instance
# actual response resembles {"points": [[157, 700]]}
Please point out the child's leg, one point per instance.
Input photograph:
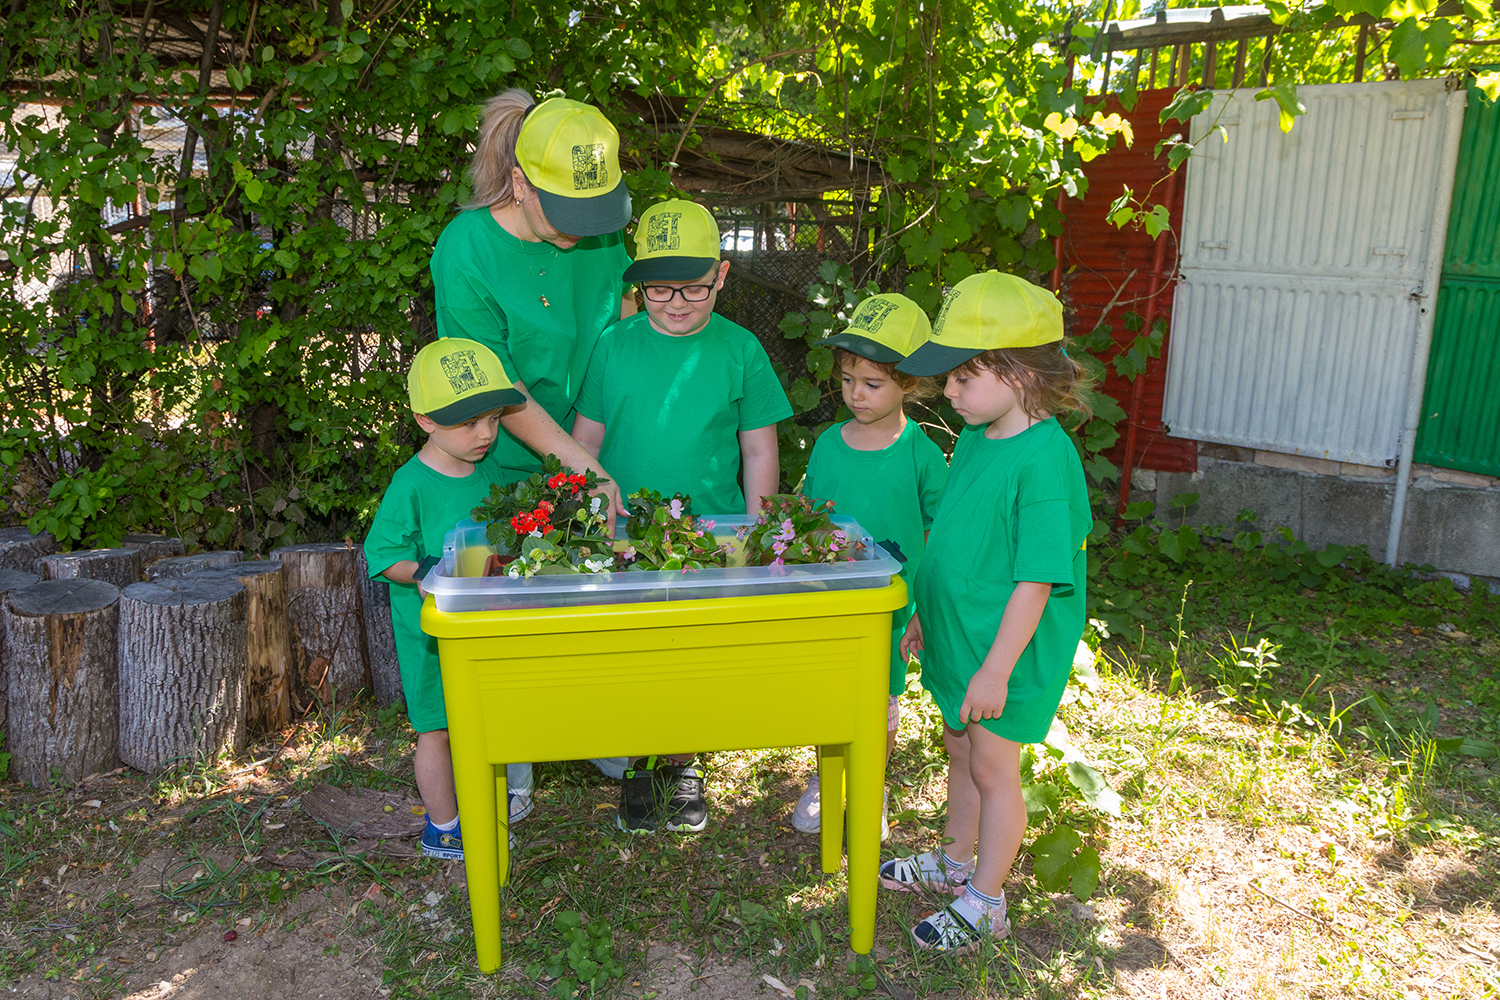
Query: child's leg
{"points": [[962, 828], [434, 767], [995, 773]]}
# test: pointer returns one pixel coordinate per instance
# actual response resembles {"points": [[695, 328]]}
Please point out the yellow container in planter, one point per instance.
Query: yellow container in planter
{"points": [[800, 669]]}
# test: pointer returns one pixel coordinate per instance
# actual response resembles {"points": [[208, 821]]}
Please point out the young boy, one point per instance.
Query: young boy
{"points": [[878, 467], [679, 399], [458, 389], [1001, 590]]}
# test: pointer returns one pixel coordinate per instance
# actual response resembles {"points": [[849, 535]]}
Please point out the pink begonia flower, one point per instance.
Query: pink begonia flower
{"points": [[777, 562], [787, 532], [675, 509], [778, 548], [707, 524], [629, 552]]}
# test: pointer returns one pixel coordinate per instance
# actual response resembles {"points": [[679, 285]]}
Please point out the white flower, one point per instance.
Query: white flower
{"points": [[536, 533], [595, 565], [595, 504]]}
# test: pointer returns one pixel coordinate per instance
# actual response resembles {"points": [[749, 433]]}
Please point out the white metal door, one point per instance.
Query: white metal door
{"points": [[1302, 261]]}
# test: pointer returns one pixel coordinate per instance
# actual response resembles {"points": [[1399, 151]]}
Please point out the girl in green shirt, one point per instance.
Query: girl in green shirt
{"points": [[1000, 592]]}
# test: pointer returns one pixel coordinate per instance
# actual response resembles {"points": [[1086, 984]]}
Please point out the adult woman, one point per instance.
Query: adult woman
{"points": [[532, 268]]}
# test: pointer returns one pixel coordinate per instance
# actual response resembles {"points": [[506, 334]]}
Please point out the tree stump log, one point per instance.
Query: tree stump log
{"points": [[328, 639], [121, 567], [10, 579], [183, 565], [183, 660], [269, 640], [63, 679], [20, 549], [380, 637], [154, 547]]}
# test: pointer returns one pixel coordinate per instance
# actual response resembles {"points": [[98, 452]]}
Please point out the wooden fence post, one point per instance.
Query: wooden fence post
{"points": [[328, 639], [182, 670], [20, 549], [183, 565], [268, 639], [63, 681], [10, 579], [121, 567], [380, 636]]}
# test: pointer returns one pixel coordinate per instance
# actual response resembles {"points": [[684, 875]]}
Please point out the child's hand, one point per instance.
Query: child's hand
{"points": [[985, 697], [911, 640]]}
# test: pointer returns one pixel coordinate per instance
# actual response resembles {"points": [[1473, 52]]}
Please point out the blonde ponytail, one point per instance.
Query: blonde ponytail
{"points": [[495, 154]]}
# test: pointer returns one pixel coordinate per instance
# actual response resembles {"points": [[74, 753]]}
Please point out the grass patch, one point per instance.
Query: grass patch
{"points": [[1308, 811]]}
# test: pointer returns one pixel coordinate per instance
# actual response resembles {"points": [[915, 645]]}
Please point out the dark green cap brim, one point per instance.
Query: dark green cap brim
{"points": [[670, 268], [596, 216], [933, 358], [469, 407], [864, 347]]}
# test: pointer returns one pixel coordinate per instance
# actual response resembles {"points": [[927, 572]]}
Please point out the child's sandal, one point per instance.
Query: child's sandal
{"points": [[957, 929], [916, 872]]}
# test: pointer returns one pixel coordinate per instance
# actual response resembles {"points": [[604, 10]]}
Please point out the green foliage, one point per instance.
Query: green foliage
{"points": [[586, 960], [793, 528], [664, 535]]}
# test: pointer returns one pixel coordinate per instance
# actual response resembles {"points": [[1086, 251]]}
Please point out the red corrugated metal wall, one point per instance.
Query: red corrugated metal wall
{"points": [[1097, 258]]}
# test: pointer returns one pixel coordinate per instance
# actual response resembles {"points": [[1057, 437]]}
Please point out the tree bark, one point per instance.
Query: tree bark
{"points": [[154, 547], [183, 660], [328, 640], [268, 640], [63, 680], [121, 567], [380, 637], [20, 549], [183, 565], [10, 579]]}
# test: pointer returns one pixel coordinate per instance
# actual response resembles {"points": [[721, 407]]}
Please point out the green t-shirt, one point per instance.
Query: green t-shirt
{"points": [[892, 493], [490, 287], [1014, 510], [673, 408], [419, 507]]}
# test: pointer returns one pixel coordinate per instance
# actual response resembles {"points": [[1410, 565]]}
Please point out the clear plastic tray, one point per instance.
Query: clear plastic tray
{"points": [[456, 585]]}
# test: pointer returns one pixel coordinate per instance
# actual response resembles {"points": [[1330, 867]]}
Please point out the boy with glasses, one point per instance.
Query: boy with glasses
{"points": [[679, 399]]}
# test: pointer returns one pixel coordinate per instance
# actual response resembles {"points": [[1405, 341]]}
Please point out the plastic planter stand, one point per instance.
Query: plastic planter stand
{"points": [[613, 680]]}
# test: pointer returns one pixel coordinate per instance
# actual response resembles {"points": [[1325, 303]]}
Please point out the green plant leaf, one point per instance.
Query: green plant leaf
{"points": [[1096, 791]]}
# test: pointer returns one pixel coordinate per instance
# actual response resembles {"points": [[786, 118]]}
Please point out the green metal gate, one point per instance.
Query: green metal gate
{"points": [[1461, 408]]}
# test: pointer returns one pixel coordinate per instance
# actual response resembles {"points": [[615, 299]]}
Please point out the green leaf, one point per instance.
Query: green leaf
{"points": [[1041, 798], [1138, 510], [1087, 867], [1488, 84], [1408, 48], [1052, 857], [1186, 104], [1095, 790], [1184, 500], [1331, 556], [1284, 93]]}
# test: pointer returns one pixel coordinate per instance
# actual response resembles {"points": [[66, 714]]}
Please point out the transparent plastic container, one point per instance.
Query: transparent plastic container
{"points": [[456, 584]]}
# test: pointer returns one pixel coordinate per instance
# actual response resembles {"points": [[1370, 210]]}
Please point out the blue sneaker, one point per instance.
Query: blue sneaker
{"points": [[445, 844]]}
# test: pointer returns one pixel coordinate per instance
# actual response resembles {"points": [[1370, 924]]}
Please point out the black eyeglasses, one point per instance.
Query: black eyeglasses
{"points": [[689, 293]]}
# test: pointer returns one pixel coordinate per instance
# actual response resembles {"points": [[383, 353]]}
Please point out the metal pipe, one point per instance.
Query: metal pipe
{"points": [[1158, 261], [1432, 276], [1061, 195]]}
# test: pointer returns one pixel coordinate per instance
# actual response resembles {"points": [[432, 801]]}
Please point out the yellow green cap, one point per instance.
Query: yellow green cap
{"points": [[885, 328], [454, 380], [676, 240], [988, 311], [571, 154]]}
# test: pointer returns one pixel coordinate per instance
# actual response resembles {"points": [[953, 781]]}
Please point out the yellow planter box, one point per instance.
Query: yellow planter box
{"points": [[609, 681]]}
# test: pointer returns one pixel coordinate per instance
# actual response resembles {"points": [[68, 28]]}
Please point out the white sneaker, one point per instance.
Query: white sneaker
{"points": [[520, 805], [807, 817]]}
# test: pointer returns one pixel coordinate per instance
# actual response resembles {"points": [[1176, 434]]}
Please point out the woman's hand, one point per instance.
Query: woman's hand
{"points": [[911, 639], [611, 494]]}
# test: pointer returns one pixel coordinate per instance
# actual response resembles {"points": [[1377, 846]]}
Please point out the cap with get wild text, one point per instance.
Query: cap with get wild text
{"points": [[988, 311], [676, 240], [454, 380], [570, 154], [886, 328]]}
